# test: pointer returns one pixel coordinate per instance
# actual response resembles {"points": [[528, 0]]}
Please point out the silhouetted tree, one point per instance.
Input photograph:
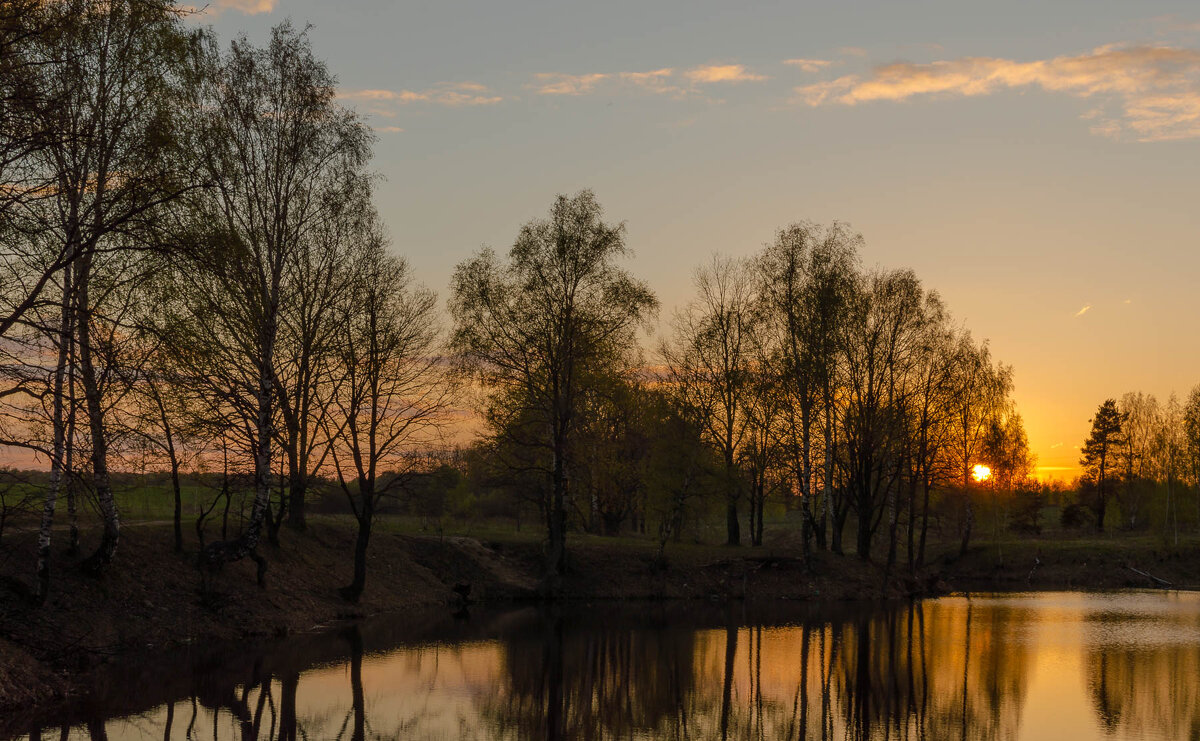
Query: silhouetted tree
{"points": [[391, 393], [711, 360], [532, 329], [806, 277], [282, 158], [1099, 454]]}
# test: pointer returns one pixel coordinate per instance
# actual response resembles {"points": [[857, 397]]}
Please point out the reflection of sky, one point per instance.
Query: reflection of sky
{"points": [[1037, 666], [1000, 157]]}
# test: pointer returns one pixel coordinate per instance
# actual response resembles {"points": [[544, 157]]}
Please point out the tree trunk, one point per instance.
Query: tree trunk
{"points": [[95, 411], [246, 545], [733, 534], [69, 461], [556, 556], [910, 535], [759, 502], [178, 490], [924, 523], [56, 462], [753, 520], [366, 516], [865, 531], [828, 482], [839, 526], [968, 523], [297, 489]]}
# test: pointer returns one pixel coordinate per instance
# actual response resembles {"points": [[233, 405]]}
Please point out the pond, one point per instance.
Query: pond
{"points": [[1050, 665]]}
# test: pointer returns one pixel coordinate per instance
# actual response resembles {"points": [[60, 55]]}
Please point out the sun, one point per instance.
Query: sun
{"points": [[980, 472]]}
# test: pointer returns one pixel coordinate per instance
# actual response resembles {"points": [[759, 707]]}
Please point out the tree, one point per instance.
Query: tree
{"points": [[113, 71], [392, 392], [979, 392], [280, 156], [610, 454], [308, 334], [930, 422], [711, 359], [29, 262], [1133, 456], [1099, 455], [1191, 441], [880, 344], [532, 329], [1168, 453], [806, 277]]}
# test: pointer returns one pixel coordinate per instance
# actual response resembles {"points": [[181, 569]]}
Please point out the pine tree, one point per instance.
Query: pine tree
{"points": [[1099, 452]]}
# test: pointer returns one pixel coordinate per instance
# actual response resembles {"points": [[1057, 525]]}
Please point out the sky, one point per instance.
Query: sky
{"points": [[1036, 163]]}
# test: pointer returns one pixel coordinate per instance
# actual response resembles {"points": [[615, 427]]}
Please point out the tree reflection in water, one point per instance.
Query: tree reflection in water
{"points": [[949, 668]]}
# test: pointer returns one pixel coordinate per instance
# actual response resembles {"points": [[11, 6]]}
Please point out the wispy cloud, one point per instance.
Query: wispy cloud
{"points": [[659, 81], [665, 81], [1084, 310], [809, 65], [388, 129], [445, 93], [555, 83], [1056, 445], [1150, 92], [710, 73]]}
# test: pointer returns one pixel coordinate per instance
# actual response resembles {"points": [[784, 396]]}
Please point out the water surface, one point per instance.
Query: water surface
{"points": [[1057, 665]]}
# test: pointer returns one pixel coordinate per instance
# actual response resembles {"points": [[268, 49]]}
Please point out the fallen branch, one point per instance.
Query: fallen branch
{"points": [[1037, 561], [1152, 577]]}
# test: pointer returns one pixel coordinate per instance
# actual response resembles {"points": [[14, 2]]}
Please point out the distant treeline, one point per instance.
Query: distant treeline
{"points": [[1143, 455]]}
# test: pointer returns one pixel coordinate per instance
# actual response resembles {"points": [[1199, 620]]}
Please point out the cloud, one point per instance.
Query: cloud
{"points": [[444, 93], [555, 83], [809, 65], [664, 81], [1149, 92], [1056, 445], [1083, 311], [709, 73], [388, 129]]}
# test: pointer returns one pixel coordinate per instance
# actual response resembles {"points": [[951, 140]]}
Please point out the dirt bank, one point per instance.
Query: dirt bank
{"points": [[150, 597], [1092, 563]]}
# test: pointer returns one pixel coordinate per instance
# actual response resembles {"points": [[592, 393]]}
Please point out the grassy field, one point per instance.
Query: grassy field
{"points": [[148, 498]]}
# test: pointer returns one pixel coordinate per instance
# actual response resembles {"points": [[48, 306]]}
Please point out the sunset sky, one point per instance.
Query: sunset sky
{"points": [[1038, 166]]}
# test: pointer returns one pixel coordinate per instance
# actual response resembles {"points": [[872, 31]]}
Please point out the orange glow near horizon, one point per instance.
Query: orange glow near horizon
{"points": [[980, 472]]}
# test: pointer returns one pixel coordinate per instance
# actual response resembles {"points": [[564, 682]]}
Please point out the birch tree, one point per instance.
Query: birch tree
{"points": [[531, 328], [279, 154], [711, 359], [392, 395]]}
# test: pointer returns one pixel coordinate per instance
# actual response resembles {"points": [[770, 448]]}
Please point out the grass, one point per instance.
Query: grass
{"points": [[149, 499]]}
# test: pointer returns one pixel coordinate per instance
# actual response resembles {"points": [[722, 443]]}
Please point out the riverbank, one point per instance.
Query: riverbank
{"points": [[150, 598], [1093, 562]]}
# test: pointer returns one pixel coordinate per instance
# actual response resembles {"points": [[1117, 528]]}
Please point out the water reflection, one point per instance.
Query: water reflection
{"points": [[1053, 665]]}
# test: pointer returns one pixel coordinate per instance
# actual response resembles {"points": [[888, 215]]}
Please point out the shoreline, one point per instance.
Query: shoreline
{"points": [[149, 600]]}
